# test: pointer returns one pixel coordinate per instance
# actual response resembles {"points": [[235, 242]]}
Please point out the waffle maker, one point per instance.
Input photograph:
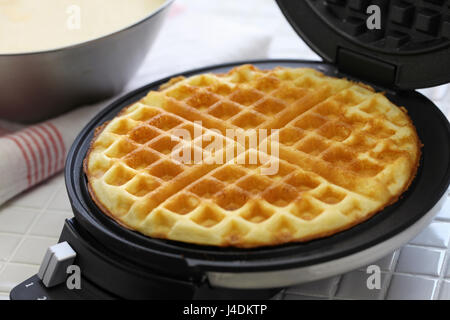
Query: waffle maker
{"points": [[412, 50]]}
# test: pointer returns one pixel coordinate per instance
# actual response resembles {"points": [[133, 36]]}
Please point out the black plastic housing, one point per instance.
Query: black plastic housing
{"points": [[410, 51]]}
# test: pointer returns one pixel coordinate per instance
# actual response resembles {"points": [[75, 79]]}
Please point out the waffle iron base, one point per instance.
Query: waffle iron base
{"points": [[119, 263]]}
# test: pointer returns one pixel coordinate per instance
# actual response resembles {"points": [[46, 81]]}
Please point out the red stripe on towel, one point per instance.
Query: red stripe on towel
{"points": [[61, 142], [33, 156], [39, 167], [54, 146], [47, 151], [27, 160]]}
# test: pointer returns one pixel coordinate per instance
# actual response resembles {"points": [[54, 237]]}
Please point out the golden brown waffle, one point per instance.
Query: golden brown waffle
{"points": [[345, 152]]}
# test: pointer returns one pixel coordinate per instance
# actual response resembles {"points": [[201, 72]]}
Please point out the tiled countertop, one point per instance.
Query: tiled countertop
{"points": [[420, 270], [29, 224]]}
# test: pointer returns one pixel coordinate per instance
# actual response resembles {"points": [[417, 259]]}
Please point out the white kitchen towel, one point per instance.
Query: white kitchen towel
{"points": [[31, 154]]}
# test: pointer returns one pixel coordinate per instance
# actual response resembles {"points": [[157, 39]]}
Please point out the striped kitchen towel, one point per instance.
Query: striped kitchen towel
{"points": [[31, 154]]}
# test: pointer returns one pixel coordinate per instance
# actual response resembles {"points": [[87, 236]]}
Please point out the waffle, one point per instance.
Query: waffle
{"points": [[344, 152]]}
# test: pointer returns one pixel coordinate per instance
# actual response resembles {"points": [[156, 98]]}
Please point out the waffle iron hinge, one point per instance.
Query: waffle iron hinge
{"points": [[366, 68]]}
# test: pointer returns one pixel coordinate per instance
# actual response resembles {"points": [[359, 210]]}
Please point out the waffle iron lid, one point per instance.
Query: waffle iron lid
{"points": [[410, 50]]}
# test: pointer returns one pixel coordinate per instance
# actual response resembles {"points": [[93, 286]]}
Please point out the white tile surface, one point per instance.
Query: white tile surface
{"points": [[436, 93], [386, 263], [50, 223], [316, 288], [405, 287], [14, 274], [61, 200], [16, 220], [7, 245], [437, 234], [30, 250], [4, 296], [445, 291], [444, 213], [418, 260], [353, 285]]}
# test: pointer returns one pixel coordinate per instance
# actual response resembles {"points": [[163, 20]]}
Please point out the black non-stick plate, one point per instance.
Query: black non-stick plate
{"points": [[174, 257], [410, 48]]}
